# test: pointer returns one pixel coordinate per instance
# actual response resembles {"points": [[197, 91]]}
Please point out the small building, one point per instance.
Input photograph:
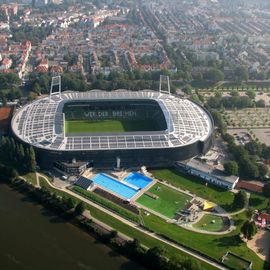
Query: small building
{"points": [[74, 167], [262, 220], [209, 174], [250, 186]]}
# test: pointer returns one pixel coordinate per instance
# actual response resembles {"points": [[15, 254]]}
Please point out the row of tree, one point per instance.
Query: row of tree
{"points": [[239, 102], [16, 154], [132, 80]]}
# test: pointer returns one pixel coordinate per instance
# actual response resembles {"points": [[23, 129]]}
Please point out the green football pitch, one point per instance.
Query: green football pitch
{"points": [[169, 201], [88, 126]]}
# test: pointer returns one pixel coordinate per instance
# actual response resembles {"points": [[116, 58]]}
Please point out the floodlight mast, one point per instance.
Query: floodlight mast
{"points": [[56, 81], [168, 91], [64, 125]]}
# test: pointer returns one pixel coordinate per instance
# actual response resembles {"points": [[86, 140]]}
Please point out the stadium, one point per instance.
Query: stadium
{"points": [[146, 127]]}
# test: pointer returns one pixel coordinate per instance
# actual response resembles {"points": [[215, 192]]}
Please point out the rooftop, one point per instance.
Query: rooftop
{"points": [[41, 123], [203, 167]]}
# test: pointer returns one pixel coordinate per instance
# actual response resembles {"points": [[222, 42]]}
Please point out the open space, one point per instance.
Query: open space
{"points": [[88, 126], [167, 202], [236, 262], [241, 135], [197, 186], [247, 118], [210, 223], [260, 244]]}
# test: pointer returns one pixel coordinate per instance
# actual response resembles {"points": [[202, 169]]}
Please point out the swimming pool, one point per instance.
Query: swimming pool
{"points": [[115, 186], [138, 180]]}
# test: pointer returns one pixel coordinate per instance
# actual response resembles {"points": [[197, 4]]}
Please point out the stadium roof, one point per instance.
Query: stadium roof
{"points": [[41, 123]]}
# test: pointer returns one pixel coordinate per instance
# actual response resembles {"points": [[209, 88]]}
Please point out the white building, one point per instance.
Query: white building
{"points": [[209, 174]]}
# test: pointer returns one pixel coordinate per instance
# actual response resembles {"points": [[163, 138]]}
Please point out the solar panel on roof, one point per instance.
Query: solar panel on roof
{"points": [[83, 182]]}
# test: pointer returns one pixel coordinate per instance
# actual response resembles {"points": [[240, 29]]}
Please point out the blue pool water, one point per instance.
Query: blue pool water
{"points": [[138, 180], [115, 186]]}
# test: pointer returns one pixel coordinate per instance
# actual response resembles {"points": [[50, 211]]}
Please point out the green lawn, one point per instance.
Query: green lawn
{"points": [[236, 263], [86, 126], [197, 186], [258, 202], [169, 200], [214, 246], [206, 223], [31, 178]]}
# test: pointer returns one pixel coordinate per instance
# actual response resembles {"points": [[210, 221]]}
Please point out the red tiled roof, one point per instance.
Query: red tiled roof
{"points": [[5, 116], [58, 69], [264, 216], [42, 69], [249, 186], [6, 61]]}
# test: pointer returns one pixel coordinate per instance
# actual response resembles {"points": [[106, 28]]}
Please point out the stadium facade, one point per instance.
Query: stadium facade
{"points": [[184, 128]]}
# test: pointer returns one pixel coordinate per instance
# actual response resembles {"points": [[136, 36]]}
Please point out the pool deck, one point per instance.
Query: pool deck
{"points": [[120, 177]]}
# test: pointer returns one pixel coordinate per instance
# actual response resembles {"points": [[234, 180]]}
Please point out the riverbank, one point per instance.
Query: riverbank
{"points": [[34, 238]]}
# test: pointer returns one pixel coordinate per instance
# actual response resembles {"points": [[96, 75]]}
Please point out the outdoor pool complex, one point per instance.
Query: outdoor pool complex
{"points": [[131, 185], [138, 180]]}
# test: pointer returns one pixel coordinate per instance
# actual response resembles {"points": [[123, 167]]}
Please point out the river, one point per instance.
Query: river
{"points": [[33, 238]]}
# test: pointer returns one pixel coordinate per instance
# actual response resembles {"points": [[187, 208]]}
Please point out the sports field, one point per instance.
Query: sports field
{"points": [[87, 126], [236, 262], [210, 223], [168, 200]]}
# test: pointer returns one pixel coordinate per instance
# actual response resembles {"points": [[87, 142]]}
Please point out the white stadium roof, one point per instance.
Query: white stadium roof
{"points": [[40, 123]]}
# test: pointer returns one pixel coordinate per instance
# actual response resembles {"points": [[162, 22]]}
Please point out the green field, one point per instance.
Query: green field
{"points": [[87, 126], [169, 200], [197, 186], [206, 223], [235, 262]]}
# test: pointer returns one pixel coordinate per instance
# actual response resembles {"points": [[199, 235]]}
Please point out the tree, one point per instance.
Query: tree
{"points": [[214, 102], [266, 190], [214, 75], [251, 93], [31, 159], [234, 93], [250, 169], [240, 74], [155, 256], [228, 138], [187, 89], [231, 167], [260, 103], [218, 119], [263, 170], [79, 209], [249, 229], [254, 148], [113, 234], [240, 199]]}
